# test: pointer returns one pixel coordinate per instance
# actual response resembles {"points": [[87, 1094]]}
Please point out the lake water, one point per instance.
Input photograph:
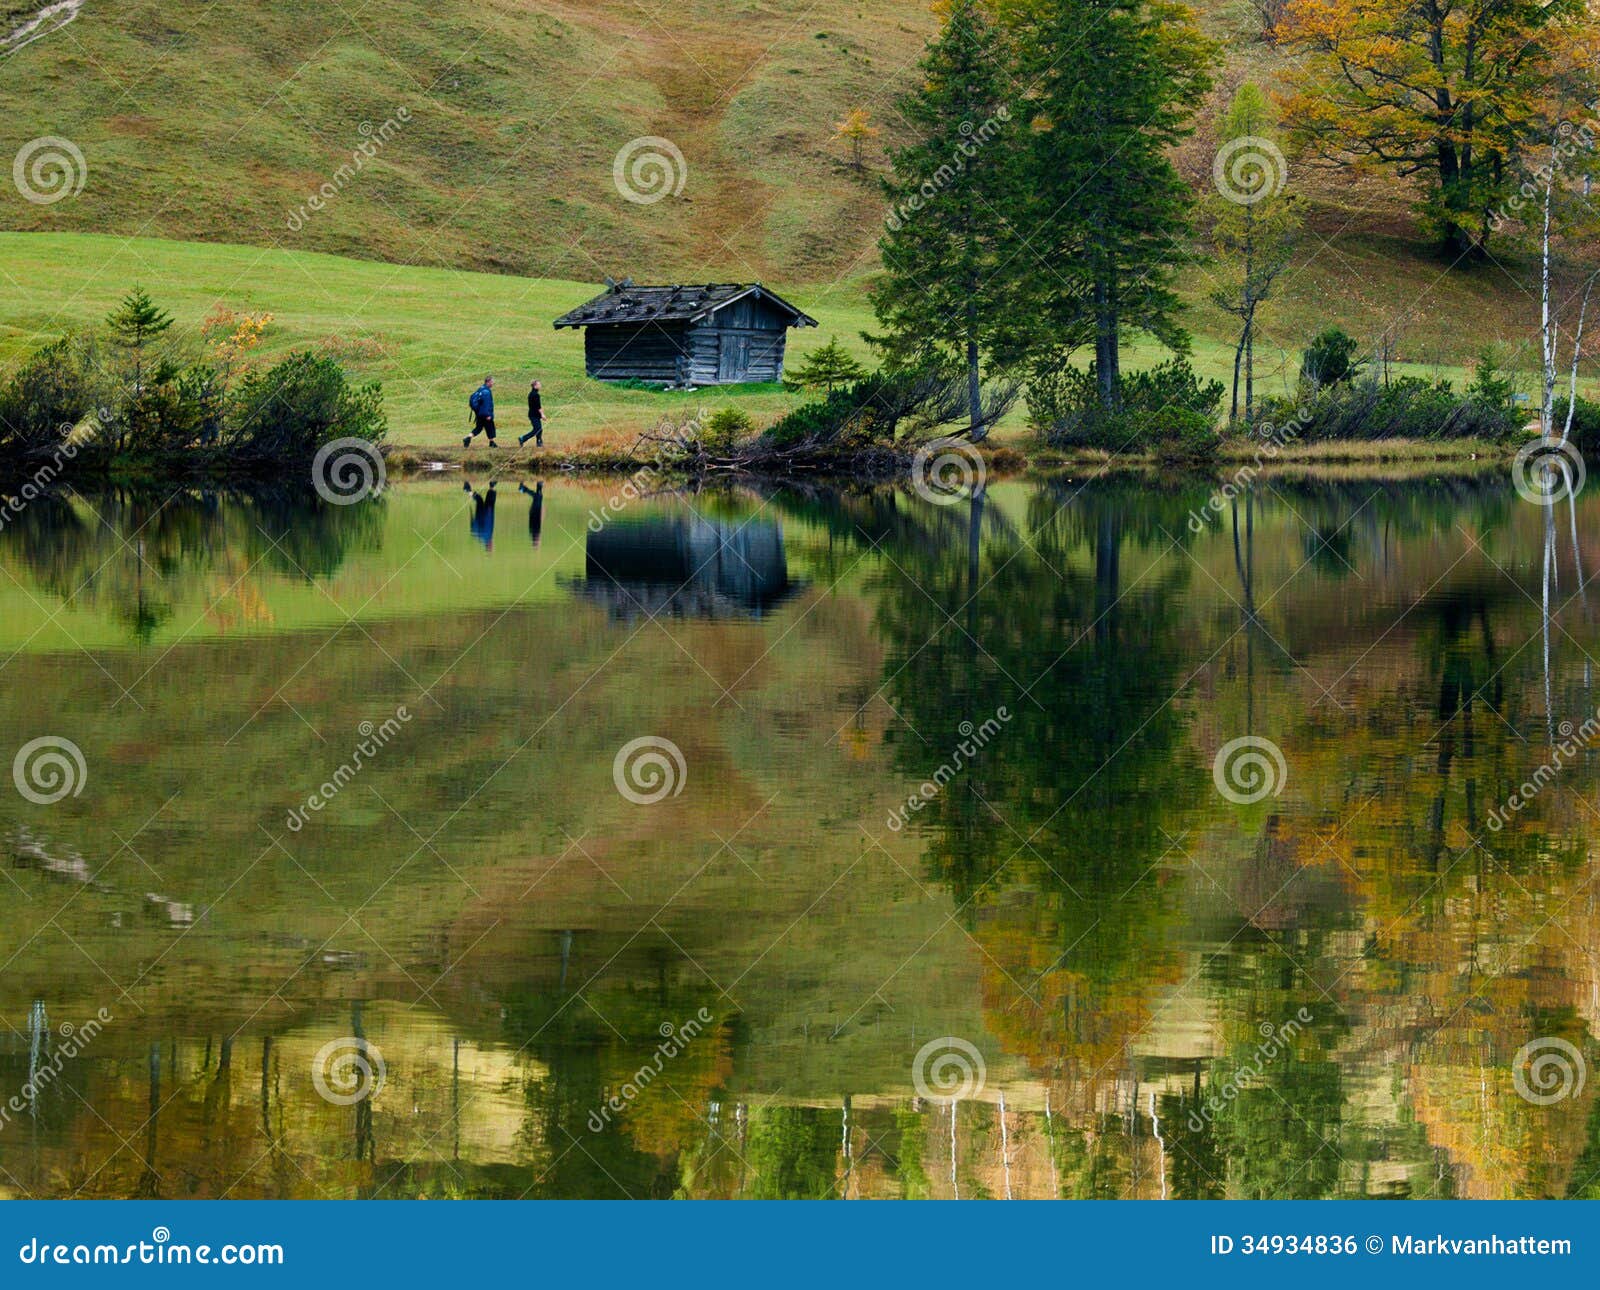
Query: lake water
{"points": [[801, 843]]}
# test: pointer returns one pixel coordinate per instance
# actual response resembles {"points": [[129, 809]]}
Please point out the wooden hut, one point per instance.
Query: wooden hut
{"points": [[714, 334]]}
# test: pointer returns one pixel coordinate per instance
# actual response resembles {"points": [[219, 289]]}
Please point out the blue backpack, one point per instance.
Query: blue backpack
{"points": [[476, 401]]}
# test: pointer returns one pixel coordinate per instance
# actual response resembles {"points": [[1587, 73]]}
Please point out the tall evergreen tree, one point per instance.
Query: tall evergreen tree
{"points": [[948, 253], [1114, 84]]}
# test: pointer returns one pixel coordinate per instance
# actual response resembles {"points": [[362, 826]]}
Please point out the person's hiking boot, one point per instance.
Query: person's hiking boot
{"points": [[466, 441]]}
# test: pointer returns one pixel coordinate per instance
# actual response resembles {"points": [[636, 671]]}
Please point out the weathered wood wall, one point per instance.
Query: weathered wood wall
{"points": [[743, 342], [640, 352]]}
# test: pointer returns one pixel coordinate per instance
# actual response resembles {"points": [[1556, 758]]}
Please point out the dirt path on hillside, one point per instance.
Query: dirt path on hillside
{"points": [[53, 17], [697, 70], [698, 83]]}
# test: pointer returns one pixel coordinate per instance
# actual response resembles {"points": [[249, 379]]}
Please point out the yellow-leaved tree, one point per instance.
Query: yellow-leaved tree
{"points": [[1449, 91]]}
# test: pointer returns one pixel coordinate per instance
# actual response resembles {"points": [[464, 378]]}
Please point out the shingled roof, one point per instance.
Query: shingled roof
{"points": [[626, 303]]}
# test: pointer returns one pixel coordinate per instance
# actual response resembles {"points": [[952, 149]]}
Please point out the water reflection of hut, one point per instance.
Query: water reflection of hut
{"points": [[686, 567]]}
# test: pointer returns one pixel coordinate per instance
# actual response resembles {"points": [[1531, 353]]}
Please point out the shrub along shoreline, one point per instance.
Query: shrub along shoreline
{"points": [[129, 399]]}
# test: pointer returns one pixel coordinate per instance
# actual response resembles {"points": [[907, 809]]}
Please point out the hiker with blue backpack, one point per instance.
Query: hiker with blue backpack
{"points": [[482, 405]]}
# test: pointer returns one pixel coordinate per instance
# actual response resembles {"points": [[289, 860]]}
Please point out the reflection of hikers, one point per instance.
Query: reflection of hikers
{"points": [[482, 405], [535, 510], [483, 515], [535, 418]]}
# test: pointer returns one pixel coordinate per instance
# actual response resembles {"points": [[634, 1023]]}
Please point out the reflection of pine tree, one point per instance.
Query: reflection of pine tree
{"points": [[140, 556], [1585, 1182], [1197, 1169], [1277, 1093], [794, 1151], [1071, 794], [1281, 1138]]}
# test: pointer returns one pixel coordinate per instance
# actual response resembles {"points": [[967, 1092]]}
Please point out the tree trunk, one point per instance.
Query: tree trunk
{"points": [[1106, 355], [1250, 366], [1547, 324], [1577, 354], [1238, 357], [1458, 239], [976, 427]]}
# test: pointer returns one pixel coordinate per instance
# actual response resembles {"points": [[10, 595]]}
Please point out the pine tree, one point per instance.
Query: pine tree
{"points": [[1254, 222], [135, 325], [950, 252], [826, 367], [1115, 84]]}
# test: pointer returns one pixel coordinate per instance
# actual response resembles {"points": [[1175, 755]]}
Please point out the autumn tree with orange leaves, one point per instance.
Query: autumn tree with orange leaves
{"points": [[1449, 91]]}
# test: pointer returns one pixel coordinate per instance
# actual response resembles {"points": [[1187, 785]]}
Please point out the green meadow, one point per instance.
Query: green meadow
{"points": [[430, 335]]}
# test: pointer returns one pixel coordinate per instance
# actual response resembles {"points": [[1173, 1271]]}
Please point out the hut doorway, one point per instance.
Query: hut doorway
{"points": [[733, 360]]}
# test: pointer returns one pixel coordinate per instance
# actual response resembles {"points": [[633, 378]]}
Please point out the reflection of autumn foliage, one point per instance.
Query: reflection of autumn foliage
{"points": [[1460, 1083], [1074, 1023], [668, 1115], [1467, 943]]}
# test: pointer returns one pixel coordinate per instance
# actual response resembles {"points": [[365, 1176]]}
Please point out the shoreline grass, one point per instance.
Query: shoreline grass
{"points": [[1383, 459]]}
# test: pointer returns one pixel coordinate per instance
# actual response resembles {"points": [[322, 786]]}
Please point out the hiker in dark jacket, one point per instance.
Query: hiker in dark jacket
{"points": [[482, 522], [535, 510], [535, 418], [482, 405]]}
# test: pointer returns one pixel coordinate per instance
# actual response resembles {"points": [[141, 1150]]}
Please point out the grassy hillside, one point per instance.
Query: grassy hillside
{"points": [[219, 124]]}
